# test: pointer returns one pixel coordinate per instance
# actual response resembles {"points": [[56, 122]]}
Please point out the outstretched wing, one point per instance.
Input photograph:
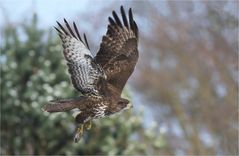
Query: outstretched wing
{"points": [[85, 73], [118, 52]]}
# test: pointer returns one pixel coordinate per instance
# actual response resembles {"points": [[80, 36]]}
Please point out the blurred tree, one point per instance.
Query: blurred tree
{"points": [[192, 59], [33, 71]]}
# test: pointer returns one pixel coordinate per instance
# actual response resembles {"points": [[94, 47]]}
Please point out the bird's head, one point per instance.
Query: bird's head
{"points": [[119, 106], [123, 104]]}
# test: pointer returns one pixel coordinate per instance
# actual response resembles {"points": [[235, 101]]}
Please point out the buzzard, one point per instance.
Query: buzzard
{"points": [[99, 79]]}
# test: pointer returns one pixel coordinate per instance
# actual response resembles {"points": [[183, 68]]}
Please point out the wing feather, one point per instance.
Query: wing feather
{"points": [[118, 52], [117, 19], [77, 32], [125, 20], [86, 42], [62, 28], [112, 22], [85, 73], [69, 28]]}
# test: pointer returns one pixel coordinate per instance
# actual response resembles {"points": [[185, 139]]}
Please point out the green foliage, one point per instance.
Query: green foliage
{"points": [[33, 71]]}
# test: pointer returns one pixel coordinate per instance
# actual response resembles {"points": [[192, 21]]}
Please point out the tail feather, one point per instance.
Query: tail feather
{"points": [[61, 105]]}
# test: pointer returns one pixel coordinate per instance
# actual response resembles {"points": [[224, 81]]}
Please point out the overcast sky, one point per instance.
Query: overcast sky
{"points": [[48, 11]]}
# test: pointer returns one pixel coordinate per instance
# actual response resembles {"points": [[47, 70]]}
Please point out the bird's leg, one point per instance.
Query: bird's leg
{"points": [[79, 133], [87, 125]]}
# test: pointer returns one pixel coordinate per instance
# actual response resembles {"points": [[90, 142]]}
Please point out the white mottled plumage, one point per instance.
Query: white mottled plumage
{"points": [[85, 73], [100, 110], [74, 50]]}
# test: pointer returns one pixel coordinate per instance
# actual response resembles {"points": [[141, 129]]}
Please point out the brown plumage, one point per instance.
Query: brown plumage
{"points": [[100, 79]]}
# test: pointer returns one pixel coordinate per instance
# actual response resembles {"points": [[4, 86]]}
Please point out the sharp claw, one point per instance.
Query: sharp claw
{"points": [[87, 125], [79, 133], [77, 137]]}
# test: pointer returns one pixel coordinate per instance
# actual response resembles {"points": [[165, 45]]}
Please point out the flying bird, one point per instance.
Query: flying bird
{"points": [[99, 79]]}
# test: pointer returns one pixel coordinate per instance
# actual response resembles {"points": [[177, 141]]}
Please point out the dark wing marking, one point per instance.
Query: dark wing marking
{"points": [[85, 73], [77, 32], [124, 17], [118, 52]]}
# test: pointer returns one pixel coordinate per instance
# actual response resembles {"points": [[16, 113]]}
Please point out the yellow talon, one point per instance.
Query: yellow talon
{"points": [[80, 129], [79, 133], [87, 125]]}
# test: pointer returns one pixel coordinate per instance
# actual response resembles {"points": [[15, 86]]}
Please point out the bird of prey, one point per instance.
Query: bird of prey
{"points": [[99, 79]]}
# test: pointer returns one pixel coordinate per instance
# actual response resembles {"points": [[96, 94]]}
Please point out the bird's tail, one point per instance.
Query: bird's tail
{"points": [[62, 105]]}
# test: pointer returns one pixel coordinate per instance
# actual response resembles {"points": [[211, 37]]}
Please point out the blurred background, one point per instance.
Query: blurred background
{"points": [[184, 88]]}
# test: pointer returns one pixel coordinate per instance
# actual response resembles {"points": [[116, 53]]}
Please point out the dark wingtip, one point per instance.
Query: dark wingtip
{"points": [[77, 32], [132, 23], [69, 28], [113, 12], [130, 10], [136, 30], [57, 29], [117, 20], [86, 42], [62, 28], [121, 8], [130, 14], [74, 24], [111, 21], [131, 18], [58, 23], [124, 17]]}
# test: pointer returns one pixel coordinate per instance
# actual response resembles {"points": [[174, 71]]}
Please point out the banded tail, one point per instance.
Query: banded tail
{"points": [[62, 105]]}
